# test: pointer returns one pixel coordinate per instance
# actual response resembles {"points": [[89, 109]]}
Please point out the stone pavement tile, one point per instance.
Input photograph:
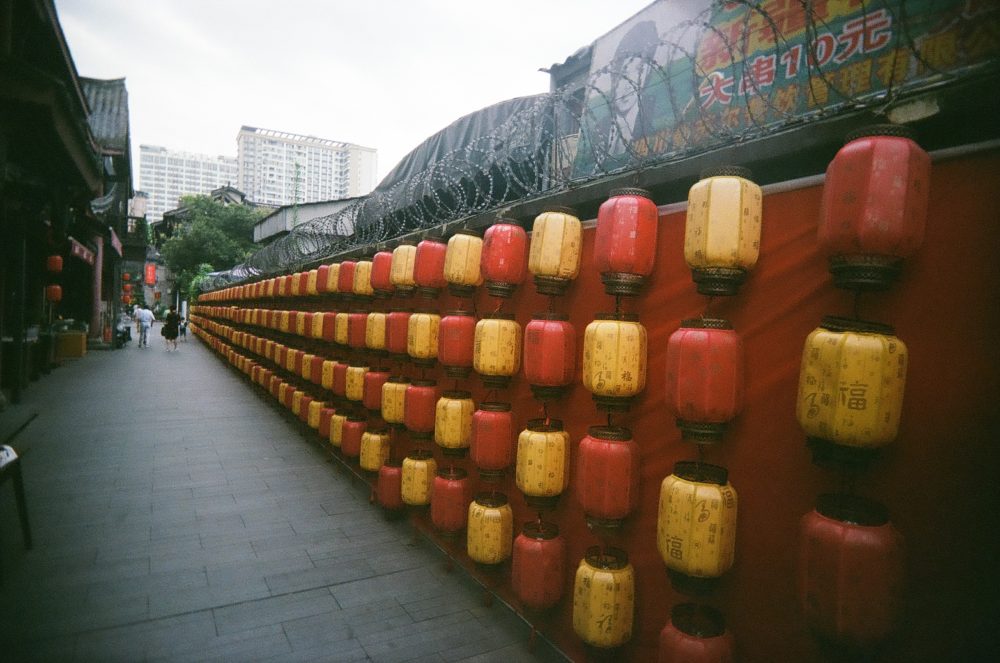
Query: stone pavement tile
{"points": [[182, 600], [325, 576], [347, 651], [514, 653], [426, 638], [147, 585], [272, 610], [43, 649], [239, 571], [254, 644], [404, 585], [138, 641]]}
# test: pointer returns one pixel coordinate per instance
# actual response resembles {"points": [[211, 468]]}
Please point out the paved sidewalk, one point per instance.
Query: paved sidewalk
{"points": [[177, 516]]}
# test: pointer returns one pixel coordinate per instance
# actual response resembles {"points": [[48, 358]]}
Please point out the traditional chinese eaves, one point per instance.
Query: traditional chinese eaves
{"points": [[108, 101]]}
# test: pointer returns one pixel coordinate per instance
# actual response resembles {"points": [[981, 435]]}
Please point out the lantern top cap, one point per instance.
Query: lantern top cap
{"points": [[460, 312], [355, 364], [852, 509], [606, 558], [727, 171], [452, 473], [405, 242], [457, 394], [505, 221], [836, 323], [379, 371], [615, 433], [624, 317], [537, 529], [491, 499], [428, 311], [420, 454], [495, 406], [891, 130], [559, 209], [393, 463], [436, 239], [692, 470], [469, 232], [353, 418], [498, 315], [399, 379], [698, 620], [706, 323], [422, 382], [630, 191], [550, 315], [545, 425]]}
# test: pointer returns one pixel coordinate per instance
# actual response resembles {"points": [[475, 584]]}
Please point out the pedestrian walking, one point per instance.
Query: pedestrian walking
{"points": [[184, 330], [171, 328], [144, 319]]}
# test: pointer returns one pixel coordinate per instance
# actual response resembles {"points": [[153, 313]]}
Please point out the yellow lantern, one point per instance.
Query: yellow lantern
{"points": [[307, 366], [269, 346], [312, 282], [696, 523], [297, 402], [490, 529], [497, 350], [300, 323], [363, 279], [554, 253], [284, 321], [401, 269], [453, 422], [293, 290], [374, 450], [340, 328], [393, 399], [422, 337], [604, 598], [327, 378], [269, 288], [419, 469], [851, 385], [337, 428], [722, 232], [314, 410], [290, 358], [375, 331], [542, 469], [332, 277], [461, 263], [316, 329], [614, 360], [355, 383]]}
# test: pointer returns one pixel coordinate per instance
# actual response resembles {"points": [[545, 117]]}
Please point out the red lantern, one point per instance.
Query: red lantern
{"points": [[345, 278], [625, 240], [126, 299], [339, 387], [850, 570], [150, 273], [456, 336], [549, 355], [157, 295], [304, 408], [381, 272], [357, 323], [325, 416], [53, 293], [538, 565], [350, 442], [127, 288], [505, 257], [420, 408], [372, 394], [54, 264], [874, 206], [396, 325], [126, 276], [316, 369], [428, 266], [389, 489], [492, 446], [695, 634], [450, 499], [704, 386], [607, 475], [322, 274], [303, 288]]}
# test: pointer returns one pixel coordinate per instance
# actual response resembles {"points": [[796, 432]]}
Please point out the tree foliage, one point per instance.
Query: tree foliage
{"points": [[212, 235]]}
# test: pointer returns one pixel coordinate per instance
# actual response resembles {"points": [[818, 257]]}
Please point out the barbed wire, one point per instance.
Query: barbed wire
{"points": [[736, 71]]}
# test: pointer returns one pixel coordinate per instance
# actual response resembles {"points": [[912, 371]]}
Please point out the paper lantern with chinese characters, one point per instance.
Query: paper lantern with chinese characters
{"points": [[352, 431], [604, 598], [402, 270], [450, 500], [422, 337], [850, 570], [374, 450], [625, 240], [428, 266], [375, 332], [549, 355], [614, 360], [381, 276], [341, 324], [851, 385], [722, 232], [312, 282], [419, 410], [357, 324], [696, 524], [453, 422], [396, 327], [371, 396], [504, 257], [462, 263], [492, 446], [333, 278], [874, 206], [695, 634], [538, 565], [337, 422], [542, 470], [393, 399], [497, 349], [704, 385], [607, 475], [354, 384], [456, 341], [362, 285], [490, 529], [419, 468], [389, 488], [554, 253]]}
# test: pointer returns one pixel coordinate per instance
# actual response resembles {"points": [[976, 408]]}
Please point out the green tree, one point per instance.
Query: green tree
{"points": [[211, 234]]}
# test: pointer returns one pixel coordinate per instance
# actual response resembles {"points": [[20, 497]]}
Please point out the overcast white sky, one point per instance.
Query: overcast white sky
{"points": [[379, 73]]}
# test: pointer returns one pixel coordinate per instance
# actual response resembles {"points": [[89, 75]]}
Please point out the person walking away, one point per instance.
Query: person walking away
{"points": [[144, 319], [184, 330], [171, 327]]}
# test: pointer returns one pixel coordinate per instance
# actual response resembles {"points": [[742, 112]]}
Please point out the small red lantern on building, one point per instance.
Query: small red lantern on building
{"points": [[127, 288], [350, 441], [428, 266], [54, 264], [126, 276], [126, 300], [450, 499], [538, 565], [874, 206], [704, 385], [396, 325], [695, 634], [382, 273], [53, 293], [607, 475], [150, 274], [492, 445], [420, 408], [505, 257], [549, 355], [456, 338], [625, 240]]}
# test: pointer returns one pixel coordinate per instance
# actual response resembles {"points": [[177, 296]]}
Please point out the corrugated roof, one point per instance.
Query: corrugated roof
{"points": [[108, 100]]}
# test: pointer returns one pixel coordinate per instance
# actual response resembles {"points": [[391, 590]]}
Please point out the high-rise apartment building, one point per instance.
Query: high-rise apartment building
{"points": [[280, 168], [166, 175]]}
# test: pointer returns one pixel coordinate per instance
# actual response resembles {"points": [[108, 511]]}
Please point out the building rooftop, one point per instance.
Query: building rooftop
{"points": [[108, 101]]}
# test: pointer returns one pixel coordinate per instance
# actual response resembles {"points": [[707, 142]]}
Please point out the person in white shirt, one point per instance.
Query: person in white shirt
{"points": [[144, 319]]}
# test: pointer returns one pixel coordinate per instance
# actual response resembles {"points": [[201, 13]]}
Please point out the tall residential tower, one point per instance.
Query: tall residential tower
{"points": [[166, 175]]}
